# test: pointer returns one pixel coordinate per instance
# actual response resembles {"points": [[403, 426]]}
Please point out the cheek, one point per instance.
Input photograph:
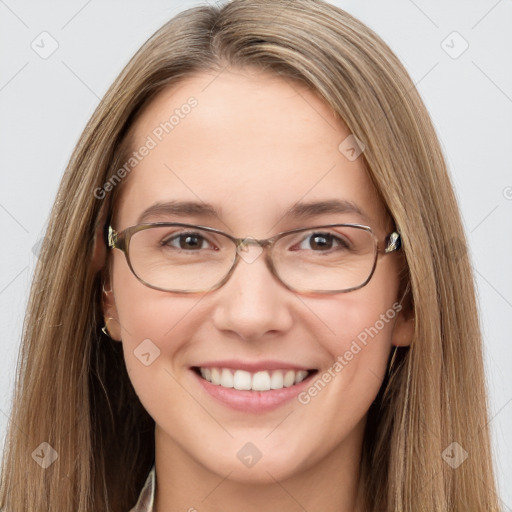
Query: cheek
{"points": [[155, 334], [162, 324], [154, 329], [358, 347], [362, 315], [355, 330]]}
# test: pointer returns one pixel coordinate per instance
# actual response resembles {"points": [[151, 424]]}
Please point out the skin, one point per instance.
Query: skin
{"points": [[254, 146]]}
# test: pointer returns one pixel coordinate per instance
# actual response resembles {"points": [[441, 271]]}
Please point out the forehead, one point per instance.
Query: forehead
{"points": [[251, 144]]}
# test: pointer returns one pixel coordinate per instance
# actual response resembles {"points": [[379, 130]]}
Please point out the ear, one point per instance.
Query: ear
{"points": [[108, 306], [403, 330], [99, 262]]}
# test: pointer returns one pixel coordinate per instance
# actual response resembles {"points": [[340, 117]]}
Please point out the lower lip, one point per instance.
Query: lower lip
{"points": [[253, 401]]}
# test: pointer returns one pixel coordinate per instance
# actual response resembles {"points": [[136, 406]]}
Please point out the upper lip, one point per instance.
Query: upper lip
{"points": [[253, 366]]}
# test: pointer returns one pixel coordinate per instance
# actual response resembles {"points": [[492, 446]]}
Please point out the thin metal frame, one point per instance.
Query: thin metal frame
{"points": [[121, 240]]}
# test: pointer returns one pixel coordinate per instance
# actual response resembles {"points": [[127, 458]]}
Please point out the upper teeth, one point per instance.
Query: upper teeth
{"points": [[258, 381]]}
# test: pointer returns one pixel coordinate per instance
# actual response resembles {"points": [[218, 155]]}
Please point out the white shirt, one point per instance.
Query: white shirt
{"points": [[147, 494]]}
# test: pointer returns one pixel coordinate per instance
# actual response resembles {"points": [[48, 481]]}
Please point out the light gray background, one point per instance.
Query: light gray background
{"points": [[45, 103]]}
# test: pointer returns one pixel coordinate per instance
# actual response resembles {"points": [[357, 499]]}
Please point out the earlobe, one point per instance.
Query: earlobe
{"points": [[403, 331]]}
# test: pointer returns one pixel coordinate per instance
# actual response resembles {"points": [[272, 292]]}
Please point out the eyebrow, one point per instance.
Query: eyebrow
{"points": [[205, 210], [315, 209], [177, 208]]}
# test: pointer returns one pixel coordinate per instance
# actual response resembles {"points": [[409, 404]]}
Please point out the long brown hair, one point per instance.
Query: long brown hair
{"points": [[72, 388]]}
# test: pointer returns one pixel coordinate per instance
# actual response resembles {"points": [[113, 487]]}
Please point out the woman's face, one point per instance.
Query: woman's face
{"points": [[252, 146]]}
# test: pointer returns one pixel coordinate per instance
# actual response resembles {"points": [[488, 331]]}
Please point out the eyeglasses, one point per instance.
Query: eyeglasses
{"points": [[184, 258]]}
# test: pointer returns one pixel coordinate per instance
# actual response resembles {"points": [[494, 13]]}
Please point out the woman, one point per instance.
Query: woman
{"points": [[252, 293]]}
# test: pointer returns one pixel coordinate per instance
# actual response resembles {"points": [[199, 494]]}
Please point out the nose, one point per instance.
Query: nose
{"points": [[253, 303]]}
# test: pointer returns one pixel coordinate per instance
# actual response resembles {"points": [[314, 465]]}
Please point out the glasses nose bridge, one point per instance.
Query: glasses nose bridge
{"points": [[249, 240], [264, 244], [241, 245]]}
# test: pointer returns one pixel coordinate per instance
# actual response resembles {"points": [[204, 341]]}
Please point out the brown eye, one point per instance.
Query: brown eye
{"points": [[322, 242], [186, 241]]}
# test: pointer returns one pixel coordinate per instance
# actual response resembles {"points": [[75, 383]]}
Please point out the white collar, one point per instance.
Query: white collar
{"points": [[147, 494]]}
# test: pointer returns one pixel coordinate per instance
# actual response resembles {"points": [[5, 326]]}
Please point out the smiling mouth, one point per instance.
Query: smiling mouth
{"points": [[253, 381]]}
